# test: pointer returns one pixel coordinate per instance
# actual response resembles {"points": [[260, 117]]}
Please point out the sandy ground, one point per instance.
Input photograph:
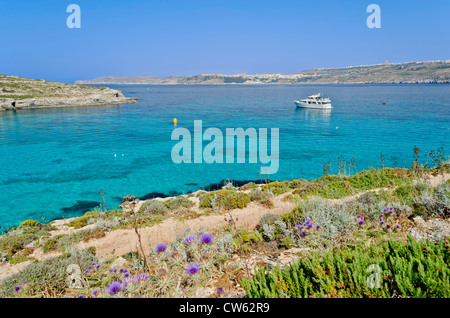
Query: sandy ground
{"points": [[123, 241]]}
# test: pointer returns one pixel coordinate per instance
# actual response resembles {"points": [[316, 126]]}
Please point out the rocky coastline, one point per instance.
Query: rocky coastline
{"points": [[105, 97], [18, 93]]}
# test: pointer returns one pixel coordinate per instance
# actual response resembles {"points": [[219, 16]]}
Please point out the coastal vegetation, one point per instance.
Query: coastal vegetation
{"points": [[383, 232]]}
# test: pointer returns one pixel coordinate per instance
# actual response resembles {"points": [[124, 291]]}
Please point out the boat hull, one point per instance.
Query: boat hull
{"points": [[313, 106]]}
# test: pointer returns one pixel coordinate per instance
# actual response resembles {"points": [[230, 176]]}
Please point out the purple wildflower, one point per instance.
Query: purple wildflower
{"points": [[95, 292], [192, 268], [381, 215], [161, 248], [98, 266], [121, 270], [219, 290], [388, 226], [317, 226], [93, 263], [358, 216], [397, 226], [206, 238], [26, 282], [126, 274], [189, 240], [385, 209], [360, 221], [308, 221], [16, 289], [309, 225], [80, 296], [300, 226], [87, 271], [303, 234], [389, 186], [142, 277], [381, 222], [114, 288], [113, 270]]}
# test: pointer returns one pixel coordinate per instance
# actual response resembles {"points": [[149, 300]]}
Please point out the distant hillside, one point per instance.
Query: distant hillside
{"points": [[413, 72]]}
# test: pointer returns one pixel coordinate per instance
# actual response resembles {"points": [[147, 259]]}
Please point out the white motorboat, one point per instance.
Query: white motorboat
{"points": [[314, 101]]}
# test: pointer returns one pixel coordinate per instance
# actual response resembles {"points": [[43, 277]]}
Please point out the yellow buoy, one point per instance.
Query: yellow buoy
{"points": [[175, 121]]}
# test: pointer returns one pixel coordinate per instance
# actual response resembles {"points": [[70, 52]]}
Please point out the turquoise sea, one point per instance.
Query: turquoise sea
{"points": [[54, 162]]}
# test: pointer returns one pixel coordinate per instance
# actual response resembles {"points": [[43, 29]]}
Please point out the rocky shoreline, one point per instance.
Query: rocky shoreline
{"points": [[104, 97]]}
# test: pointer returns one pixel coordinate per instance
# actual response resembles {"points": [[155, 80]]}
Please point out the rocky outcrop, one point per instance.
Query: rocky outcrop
{"points": [[101, 97]]}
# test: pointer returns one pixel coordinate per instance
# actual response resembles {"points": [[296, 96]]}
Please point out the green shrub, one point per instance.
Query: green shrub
{"points": [[294, 217], [154, 207], [262, 197], [83, 220], [227, 199], [19, 259], [16, 240], [265, 220], [53, 243], [250, 236], [248, 186], [48, 277], [300, 183], [30, 223], [235, 200], [336, 187], [276, 187], [412, 269], [177, 203], [287, 243]]}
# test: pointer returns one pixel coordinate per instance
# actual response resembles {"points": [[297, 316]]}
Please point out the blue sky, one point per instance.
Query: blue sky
{"points": [[188, 37]]}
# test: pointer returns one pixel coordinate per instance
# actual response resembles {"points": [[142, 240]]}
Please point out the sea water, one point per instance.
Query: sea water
{"points": [[62, 162]]}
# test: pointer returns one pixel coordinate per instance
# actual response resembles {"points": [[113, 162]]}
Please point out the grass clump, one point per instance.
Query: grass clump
{"points": [[412, 269]]}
